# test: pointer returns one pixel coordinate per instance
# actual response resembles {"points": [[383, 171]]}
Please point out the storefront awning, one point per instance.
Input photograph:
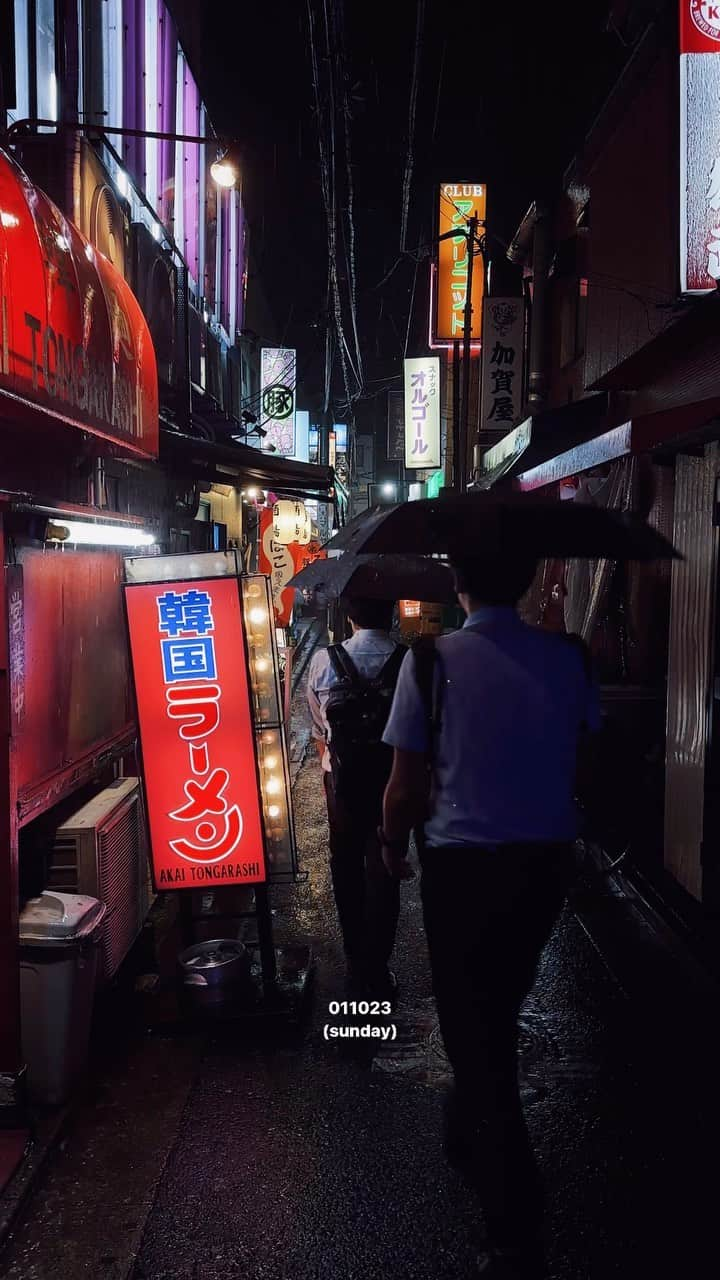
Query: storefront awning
{"points": [[74, 344], [542, 437], [240, 464]]}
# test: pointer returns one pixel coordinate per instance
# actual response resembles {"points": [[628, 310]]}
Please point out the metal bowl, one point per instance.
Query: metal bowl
{"points": [[212, 971]]}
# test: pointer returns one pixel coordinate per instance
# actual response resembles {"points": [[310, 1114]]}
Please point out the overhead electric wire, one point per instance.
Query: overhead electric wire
{"points": [[412, 113]]}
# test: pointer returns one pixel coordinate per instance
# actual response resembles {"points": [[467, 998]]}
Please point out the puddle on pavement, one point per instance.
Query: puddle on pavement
{"points": [[418, 1054]]}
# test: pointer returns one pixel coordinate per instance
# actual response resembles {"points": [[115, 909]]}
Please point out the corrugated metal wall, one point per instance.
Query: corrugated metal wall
{"points": [[692, 624]]}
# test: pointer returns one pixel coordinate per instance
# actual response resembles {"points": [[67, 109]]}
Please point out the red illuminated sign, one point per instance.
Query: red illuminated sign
{"points": [[197, 733], [277, 562], [699, 26], [74, 343]]}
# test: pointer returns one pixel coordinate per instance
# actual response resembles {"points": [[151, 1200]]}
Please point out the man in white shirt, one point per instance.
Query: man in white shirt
{"points": [[367, 898], [498, 713]]}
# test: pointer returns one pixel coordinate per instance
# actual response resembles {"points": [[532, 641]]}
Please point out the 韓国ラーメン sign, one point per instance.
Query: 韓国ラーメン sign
{"points": [[196, 731], [74, 344], [422, 412], [699, 146]]}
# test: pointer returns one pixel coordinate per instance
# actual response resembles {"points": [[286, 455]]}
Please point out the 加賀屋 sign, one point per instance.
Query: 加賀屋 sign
{"points": [[422, 413], [699, 146], [197, 733], [502, 363]]}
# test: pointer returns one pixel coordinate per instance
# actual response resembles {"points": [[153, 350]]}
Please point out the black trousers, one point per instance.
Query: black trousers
{"points": [[488, 914], [367, 898]]}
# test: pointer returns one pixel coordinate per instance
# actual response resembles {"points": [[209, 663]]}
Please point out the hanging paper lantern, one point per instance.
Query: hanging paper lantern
{"points": [[291, 523]]}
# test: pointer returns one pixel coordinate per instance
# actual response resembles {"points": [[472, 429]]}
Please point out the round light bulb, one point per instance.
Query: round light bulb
{"points": [[273, 787], [261, 664], [257, 616], [274, 811], [271, 762]]}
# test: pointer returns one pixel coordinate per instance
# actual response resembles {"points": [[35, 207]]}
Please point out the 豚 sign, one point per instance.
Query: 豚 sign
{"points": [[277, 389], [73, 340], [422, 413], [197, 733]]}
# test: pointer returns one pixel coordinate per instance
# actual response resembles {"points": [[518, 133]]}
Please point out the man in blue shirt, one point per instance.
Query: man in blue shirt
{"points": [[485, 766]]}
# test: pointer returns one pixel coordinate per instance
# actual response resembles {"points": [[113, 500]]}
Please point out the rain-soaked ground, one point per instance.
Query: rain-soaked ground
{"points": [[209, 1158]]}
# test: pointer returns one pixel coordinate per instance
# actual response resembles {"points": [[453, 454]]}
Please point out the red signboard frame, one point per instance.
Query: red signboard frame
{"points": [[190, 666], [699, 26], [74, 343]]}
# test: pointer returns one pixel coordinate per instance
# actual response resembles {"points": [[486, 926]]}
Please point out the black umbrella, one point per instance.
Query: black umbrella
{"points": [[478, 523], [391, 577]]}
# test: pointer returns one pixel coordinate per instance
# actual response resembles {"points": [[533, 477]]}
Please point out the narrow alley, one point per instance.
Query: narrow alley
{"points": [[215, 1159]]}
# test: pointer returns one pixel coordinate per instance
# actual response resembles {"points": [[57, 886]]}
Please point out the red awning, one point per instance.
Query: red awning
{"points": [[74, 343]]}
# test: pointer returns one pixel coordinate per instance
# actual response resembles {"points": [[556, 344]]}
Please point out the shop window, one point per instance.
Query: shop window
{"points": [[179, 209], [19, 100], [189, 124], [573, 320], [46, 83], [152, 106], [167, 79]]}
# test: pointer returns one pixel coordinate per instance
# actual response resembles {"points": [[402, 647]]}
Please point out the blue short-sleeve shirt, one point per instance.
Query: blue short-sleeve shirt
{"points": [[513, 701]]}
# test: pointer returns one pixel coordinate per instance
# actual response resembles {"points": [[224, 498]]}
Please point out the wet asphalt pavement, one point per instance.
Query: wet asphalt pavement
{"points": [[295, 1158]]}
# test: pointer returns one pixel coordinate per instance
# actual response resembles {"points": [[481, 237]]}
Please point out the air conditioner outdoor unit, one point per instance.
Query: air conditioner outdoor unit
{"points": [[154, 283], [235, 382], [101, 851], [197, 328], [102, 215], [215, 380]]}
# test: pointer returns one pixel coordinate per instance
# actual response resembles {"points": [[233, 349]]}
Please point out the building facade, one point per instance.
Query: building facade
{"points": [[128, 393], [627, 364]]}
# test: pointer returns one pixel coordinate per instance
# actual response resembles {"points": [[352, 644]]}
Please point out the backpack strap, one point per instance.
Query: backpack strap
{"points": [[343, 665], [387, 677]]}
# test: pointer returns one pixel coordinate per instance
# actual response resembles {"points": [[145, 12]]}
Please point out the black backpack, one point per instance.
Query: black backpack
{"points": [[357, 711]]}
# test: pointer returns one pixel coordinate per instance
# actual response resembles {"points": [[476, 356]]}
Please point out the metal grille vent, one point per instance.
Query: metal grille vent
{"points": [[119, 885], [100, 851]]}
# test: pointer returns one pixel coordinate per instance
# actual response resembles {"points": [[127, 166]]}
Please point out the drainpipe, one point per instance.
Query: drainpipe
{"points": [[533, 245]]}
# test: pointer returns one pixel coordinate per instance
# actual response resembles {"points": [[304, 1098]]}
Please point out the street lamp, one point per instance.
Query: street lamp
{"points": [[224, 170]]}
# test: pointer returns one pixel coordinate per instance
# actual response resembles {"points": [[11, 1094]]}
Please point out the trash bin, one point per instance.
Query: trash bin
{"points": [[59, 936]]}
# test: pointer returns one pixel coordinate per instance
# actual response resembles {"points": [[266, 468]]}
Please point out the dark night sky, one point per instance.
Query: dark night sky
{"points": [[519, 84]]}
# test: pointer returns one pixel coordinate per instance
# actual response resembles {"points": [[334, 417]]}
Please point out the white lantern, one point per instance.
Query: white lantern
{"points": [[291, 523]]}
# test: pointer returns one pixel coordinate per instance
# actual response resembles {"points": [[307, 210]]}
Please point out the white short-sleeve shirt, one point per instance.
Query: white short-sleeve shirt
{"points": [[369, 650], [513, 701]]}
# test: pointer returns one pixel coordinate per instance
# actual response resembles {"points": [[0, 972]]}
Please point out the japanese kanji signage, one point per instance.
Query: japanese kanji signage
{"points": [[396, 426], [422, 413], [699, 146], [502, 363], [74, 344], [197, 733], [277, 389], [277, 561], [459, 201]]}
